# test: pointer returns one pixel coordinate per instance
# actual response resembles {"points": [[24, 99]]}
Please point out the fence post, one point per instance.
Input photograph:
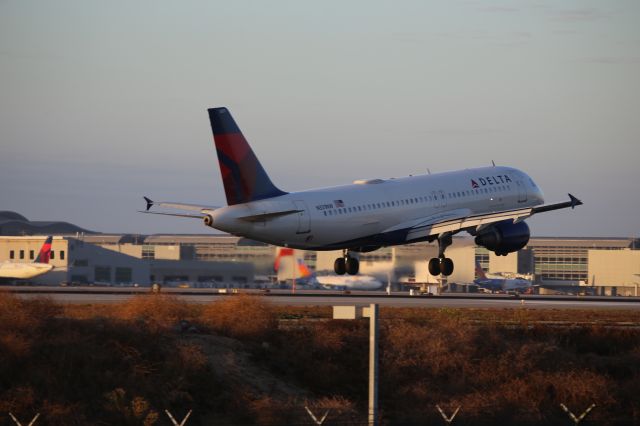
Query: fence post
{"points": [[581, 417], [182, 423], [445, 417], [314, 418], [31, 423]]}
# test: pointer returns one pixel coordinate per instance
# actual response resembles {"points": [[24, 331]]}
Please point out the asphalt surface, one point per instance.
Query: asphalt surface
{"points": [[86, 295]]}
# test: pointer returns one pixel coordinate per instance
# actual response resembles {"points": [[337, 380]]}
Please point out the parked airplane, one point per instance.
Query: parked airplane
{"points": [[490, 203], [332, 282], [500, 284], [25, 271]]}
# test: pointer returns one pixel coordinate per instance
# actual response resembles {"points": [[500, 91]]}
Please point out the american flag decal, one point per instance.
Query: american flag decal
{"points": [[338, 203]]}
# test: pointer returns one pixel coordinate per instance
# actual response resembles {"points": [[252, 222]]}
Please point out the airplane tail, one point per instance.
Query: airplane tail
{"points": [[303, 270], [480, 272], [282, 253], [45, 251], [243, 176]]}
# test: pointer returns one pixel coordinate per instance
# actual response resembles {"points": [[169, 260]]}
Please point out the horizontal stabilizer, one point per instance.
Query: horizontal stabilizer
{"points": [[180, 206], [193, 216]]}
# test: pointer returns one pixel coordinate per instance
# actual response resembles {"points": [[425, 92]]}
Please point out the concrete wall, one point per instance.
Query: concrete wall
{"points": [[463, 254], [201, 273], [614, 267], [86, 259], [505, 264]]}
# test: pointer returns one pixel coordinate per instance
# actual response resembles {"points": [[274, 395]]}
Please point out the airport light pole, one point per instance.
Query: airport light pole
{"points": [[355, 312], [373, 364]]}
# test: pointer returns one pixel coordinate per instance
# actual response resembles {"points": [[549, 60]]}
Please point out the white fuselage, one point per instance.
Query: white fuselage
{"points": [[349, 282], [504, 284], [23, 271], [377, 212]]}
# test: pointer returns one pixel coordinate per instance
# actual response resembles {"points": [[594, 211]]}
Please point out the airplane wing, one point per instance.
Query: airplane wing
{"points": [[181, 206], [460, 220]]}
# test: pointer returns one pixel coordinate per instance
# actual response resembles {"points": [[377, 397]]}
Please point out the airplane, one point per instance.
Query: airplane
{"points": [[500, 284], [333, 282], [25, 271], [490, 203]]}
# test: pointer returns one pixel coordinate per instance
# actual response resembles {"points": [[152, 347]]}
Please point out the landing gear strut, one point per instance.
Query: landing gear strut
{"points": [[346, 264], [442, 265]]}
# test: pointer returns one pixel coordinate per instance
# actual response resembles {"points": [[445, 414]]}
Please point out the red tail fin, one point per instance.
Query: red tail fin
{"points": [[243, 176], [45, 251], [282, 253]]}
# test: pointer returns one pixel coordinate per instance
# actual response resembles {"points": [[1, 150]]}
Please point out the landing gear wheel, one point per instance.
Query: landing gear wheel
{"points": [[434, 266], [352, 265], [446, 266], [339, 266]]}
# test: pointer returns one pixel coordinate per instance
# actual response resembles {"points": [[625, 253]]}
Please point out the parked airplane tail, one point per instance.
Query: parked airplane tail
{"points": [[303, 269], [243, 176], [480, 272], [45, 251]]}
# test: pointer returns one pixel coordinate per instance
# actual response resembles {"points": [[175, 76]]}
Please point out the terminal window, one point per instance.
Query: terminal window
{"points": [[12, 254], [103, 274], [61, 254], [123, 275], [53, 255], [148, 251], [21, 254], [31, 254]]}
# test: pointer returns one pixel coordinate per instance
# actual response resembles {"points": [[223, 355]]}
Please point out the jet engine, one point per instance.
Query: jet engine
{"points": [[208, 220], [504, 237]]}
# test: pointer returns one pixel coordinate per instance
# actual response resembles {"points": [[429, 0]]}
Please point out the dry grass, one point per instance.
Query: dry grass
{"points": [[123, 364], [243, 317]]}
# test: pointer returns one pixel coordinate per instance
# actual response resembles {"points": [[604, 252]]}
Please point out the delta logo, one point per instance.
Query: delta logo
{"points": [[490, 180]]}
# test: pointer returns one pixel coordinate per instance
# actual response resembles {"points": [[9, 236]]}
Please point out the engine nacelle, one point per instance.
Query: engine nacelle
{"points": [[504, 237], [208, 220]]}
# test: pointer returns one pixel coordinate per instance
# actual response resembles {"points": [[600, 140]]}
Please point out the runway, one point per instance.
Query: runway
{"points": [[102, 295]]}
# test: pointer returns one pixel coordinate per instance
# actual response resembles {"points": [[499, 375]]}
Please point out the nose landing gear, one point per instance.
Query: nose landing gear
{"points": [[442, 265], [346, 264]]}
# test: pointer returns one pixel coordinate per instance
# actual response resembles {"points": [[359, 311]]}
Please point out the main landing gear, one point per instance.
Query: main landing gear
{"points": [[346, 264], [442, 265]]}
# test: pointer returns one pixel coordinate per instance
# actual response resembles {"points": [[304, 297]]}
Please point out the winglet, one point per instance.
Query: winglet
{"points": [[574, 201], [149, 202]]}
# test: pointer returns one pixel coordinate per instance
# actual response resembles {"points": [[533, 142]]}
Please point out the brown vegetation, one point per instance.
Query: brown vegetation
{"points": [[242, 361]]}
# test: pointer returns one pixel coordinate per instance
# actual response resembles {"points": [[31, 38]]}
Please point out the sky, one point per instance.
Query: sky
{"points": [[104, 102]]}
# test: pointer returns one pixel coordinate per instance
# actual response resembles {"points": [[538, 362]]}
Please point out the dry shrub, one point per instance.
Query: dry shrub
{"points": [[242, 316], [130, 411], [269, 411], [13, 314], [158, 311], [20, 321]]}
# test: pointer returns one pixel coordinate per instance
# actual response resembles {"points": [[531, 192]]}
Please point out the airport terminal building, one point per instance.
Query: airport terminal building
{"points": [[603, 266]]}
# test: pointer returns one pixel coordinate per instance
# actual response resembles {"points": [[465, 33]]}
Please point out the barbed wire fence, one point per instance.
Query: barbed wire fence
{"points": [[315, 420]]}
